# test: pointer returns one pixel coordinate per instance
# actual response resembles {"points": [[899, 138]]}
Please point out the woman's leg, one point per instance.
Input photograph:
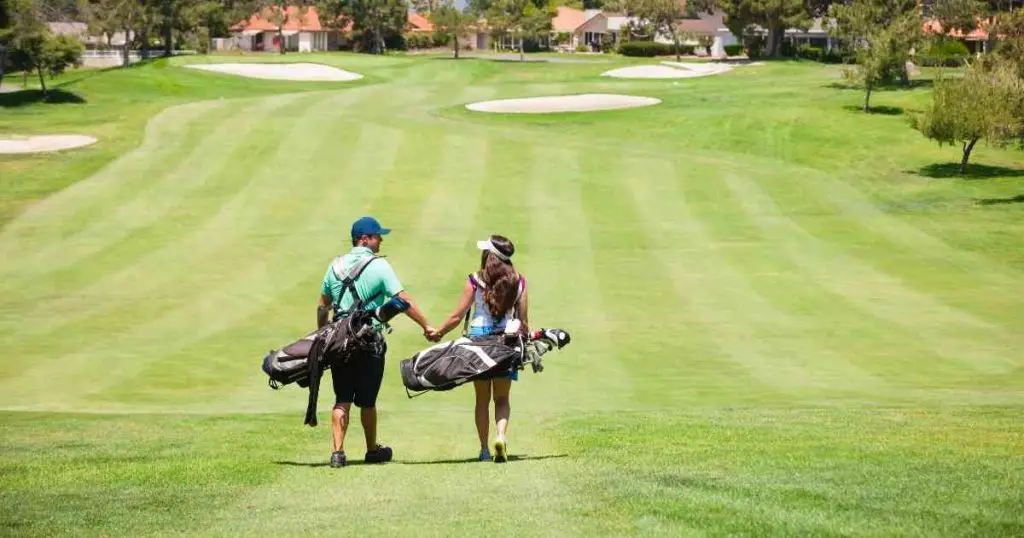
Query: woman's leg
{"points": [[502, 407], [481, 410]]}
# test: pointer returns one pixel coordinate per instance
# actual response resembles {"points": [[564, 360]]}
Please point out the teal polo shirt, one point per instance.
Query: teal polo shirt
{"points": [[378, 281]]}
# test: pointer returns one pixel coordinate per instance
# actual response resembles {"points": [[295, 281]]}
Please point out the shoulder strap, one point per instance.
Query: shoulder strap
{"points": [[348, 281]]}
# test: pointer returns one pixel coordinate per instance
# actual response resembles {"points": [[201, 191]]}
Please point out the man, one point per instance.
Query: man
{"points": [[358, 380]]}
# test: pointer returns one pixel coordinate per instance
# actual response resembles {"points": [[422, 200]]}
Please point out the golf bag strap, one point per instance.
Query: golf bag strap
{"points": [[348, 283]]}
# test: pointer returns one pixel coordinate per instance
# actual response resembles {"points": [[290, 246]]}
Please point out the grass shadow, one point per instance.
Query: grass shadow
{"points": [[1019, 199], [476, 460], [314, 464], [882, 110], [912, 85], [55, 96], [974, 171]]}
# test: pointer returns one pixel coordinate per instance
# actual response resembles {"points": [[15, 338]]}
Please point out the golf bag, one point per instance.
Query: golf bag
{"points": [[448, 365]]}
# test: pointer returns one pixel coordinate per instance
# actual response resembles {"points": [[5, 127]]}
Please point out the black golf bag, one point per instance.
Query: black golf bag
{"points": [[448, 365]]}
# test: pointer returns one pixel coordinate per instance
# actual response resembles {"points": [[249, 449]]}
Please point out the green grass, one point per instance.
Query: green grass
{"points": [[786, 319]]}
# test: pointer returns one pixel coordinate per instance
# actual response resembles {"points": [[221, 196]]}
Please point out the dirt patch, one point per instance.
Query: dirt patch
{"points": [[563, 103], [42, 143], [299, 71]]}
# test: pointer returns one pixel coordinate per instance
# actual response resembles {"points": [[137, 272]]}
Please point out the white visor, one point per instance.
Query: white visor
{"points": [[489, 246]]}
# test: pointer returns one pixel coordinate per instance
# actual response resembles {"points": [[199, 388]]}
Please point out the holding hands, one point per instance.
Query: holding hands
{"points": [[432, 334]]}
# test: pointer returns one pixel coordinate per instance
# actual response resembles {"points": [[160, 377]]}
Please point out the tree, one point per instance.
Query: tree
{"points": [[373, 19], [25, 35], [957, 15], [28, 37], [661, 15], [111, 16], [881, 34], [450, 22], [524, 19], [774, 15], [60, 52], [988, 102]]}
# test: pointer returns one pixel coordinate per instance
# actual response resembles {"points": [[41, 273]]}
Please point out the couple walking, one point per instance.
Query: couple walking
{"points": [[491, 297]]}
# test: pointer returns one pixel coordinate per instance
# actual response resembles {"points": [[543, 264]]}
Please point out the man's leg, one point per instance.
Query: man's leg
{"points": [[368, 416], [344, 394], [339, 424], [370, 377]]}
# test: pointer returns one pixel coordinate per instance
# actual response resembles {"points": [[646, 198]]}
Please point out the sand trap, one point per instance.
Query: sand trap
{"points": [[670, 70], [563, 103], [37, 144], [299, 71]]}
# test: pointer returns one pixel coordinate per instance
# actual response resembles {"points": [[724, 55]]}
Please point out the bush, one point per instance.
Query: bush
{"points": [[419, 40], [733, 50], [835, 57], [810, 52], [942, 61], [649, 49], [755, 45], [948, 47], [580, 47], [644, 49]]}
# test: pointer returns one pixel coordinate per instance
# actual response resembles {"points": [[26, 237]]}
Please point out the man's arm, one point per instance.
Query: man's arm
{"points": [[322, 309], [414, 312]]}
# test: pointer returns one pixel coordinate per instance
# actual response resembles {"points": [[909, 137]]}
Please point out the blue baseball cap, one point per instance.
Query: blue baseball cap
{"points": [[368, 226]]}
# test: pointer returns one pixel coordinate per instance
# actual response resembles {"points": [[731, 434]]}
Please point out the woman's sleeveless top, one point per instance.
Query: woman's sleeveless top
{"points": [[482, 322]]}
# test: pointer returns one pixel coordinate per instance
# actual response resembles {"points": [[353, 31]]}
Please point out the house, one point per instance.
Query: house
{"points": [[418, 23], [710, 24], [302, 32], [976, 40], [818, 35]]}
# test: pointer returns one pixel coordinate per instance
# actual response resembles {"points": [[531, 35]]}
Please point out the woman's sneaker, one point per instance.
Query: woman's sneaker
{"points": [[500, 450], [485, 455], [381, 454], [338, 459]]}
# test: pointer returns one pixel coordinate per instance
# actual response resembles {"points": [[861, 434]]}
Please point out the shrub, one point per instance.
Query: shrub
{"points": [[580, 47], [834, 56], [645, 49], [942, 61], [948, 47], [755, 45], [419, 40], [733, 50], [810, 52]]}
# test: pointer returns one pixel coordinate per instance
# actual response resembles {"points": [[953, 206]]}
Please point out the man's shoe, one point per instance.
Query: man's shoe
{"points": [[500, 450], [381, 454], [338, 459], [485, 455]]}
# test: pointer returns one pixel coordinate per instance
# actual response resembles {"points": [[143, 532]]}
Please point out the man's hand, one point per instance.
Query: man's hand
{"points": [[431, 334]]}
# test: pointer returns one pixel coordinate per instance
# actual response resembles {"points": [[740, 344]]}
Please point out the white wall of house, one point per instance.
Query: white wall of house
{"points": [[306, 41]]}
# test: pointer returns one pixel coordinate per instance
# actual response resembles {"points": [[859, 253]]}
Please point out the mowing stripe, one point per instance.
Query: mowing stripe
{"points": [[746, 326], [953, 333]]}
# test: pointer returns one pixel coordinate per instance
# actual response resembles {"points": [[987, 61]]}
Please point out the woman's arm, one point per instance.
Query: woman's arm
{"points": [[465, 301], [522, 313]]}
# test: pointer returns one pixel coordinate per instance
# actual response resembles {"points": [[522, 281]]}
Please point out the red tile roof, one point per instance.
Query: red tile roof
{"points": [[978, 34], [419, 23], [568, 19]]}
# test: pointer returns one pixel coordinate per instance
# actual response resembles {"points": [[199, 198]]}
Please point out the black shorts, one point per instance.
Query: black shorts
{"points": [[358, 379]]}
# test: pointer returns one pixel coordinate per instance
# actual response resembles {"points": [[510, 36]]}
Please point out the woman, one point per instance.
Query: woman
{"points": [[497, 294]]}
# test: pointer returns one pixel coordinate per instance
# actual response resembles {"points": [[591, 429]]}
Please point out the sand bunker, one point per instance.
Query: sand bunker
{"points": [[299, 71], [670, 70], [563, 103], [37, 144]]}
